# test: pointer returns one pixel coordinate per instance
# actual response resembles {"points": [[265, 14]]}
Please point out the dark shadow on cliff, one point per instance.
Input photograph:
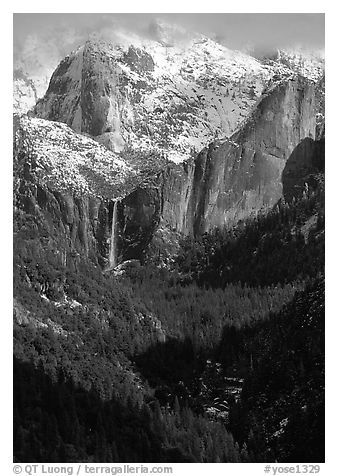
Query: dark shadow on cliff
{"points": [[306, 161], [138, 218]]}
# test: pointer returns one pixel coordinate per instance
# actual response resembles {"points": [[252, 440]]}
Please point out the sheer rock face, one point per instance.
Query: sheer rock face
{"points": [[303, 168], [139, 218], [69, 184], [234, 178], [155, 96], [231, 179]]}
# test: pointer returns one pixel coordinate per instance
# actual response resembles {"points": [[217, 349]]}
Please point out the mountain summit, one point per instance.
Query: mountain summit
{"points": [[173, 98], [169, 255], [186, 134]]}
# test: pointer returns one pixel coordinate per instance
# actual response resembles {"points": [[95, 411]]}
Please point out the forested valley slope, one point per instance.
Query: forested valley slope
{"points": [[169, 288]]}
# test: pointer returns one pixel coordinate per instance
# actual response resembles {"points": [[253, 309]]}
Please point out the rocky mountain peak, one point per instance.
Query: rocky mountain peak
{"points": [[173, 98], [189, 135]]}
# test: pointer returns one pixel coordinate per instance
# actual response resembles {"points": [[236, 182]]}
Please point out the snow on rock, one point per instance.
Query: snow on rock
{"points": [[27, 89], [71, 162], [308, 63], [299, 60], [170, 96]]}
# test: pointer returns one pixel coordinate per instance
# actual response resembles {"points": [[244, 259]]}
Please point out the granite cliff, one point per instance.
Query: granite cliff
{"points": [[235, 177], [172, 98], [140, 141], [74, 182]]}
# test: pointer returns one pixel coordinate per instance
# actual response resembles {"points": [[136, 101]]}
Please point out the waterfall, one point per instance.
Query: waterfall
{"points": [[112, 253]]}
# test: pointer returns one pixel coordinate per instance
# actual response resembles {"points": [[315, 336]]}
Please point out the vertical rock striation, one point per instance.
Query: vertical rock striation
{"points": [[227, 181], [233, 178], [151, 96]]}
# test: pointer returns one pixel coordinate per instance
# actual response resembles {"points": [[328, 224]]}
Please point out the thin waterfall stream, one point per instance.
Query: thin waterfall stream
{"points": [[113, 238]]}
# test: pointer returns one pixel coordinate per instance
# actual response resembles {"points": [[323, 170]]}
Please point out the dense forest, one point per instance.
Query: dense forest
{"points": [[218, 357], [277, 247]]}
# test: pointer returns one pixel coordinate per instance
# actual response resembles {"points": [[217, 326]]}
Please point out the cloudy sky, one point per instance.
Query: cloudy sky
{"points": [[42, 40]]}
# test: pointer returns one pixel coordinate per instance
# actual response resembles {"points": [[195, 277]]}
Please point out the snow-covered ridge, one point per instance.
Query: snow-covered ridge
{"points": [[71, 162], [174, 98], [169, 93], [303, 61]]}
